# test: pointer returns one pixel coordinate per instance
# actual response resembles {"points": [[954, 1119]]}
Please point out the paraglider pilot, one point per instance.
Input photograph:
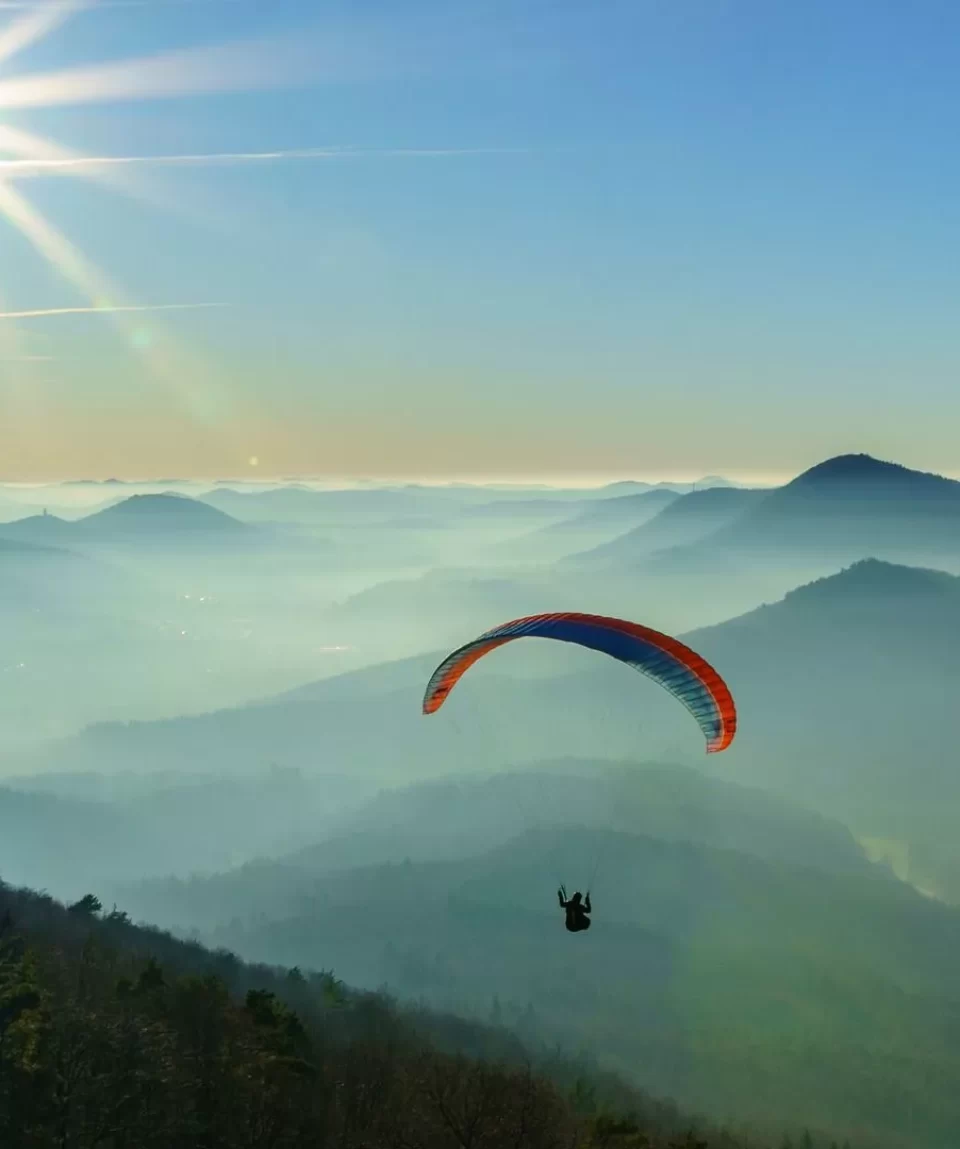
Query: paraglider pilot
{"points": [[576, 909]]}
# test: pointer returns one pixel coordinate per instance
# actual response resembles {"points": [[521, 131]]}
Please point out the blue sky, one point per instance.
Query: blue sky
{"points": [[571, 239]]}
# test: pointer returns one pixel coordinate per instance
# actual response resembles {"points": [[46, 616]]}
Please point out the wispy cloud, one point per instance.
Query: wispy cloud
{"points": [[106, 309], [49, 165], [27, 359]]}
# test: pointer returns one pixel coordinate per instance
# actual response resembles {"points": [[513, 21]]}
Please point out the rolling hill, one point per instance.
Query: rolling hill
{"points": [[845, 690], [467, 815], [741, 986]]}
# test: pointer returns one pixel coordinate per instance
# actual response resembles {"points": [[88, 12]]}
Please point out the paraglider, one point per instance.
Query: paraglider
{"points": [[577, 910], [677, 668]]}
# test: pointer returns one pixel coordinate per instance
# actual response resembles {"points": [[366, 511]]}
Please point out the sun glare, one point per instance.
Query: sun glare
{"points": [[220, 68]]}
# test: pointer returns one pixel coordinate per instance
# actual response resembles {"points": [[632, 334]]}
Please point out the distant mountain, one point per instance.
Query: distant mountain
{"points": [[464, 815], [582, 525], [534, 509], [714, 481], [41, 529], [845, 690], [725, 979], [682, 520], [160, 515], [844, 509], [299, 503], [95, 483], [621, 511], [52, 842], [68, 838]]}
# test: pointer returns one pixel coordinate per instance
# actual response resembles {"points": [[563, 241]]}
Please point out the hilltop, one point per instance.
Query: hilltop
{"points": [[162, 513], [846, 508]]}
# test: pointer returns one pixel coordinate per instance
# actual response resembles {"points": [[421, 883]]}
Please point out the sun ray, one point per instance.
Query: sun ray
{"points": [[233, 67], [34, 25], [55, 247], [20, 398], [197, 389], [194, 384]]}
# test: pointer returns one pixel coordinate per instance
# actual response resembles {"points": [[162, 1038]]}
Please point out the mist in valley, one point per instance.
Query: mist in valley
{"points": [[212, 719]]}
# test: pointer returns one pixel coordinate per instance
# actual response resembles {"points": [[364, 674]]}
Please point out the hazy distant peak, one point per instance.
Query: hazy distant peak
{"points": [[710, 498], [863, 469], [711, 481], [149, 504], [164, 510]]}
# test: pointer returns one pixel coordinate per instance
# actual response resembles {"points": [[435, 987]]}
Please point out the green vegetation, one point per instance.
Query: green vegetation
{"points": [[116, 1036], [746, 987]]}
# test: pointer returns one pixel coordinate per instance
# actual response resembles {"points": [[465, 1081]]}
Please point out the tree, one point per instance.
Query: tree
{"points": [[88, 906]]}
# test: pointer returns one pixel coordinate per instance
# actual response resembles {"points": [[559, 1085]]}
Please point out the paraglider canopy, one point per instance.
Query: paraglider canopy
{"points": [[666, 660]]}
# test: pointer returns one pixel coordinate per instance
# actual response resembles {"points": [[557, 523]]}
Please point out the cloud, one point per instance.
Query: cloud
{"points": [[52, 165], [51, 312], [27, 359]]}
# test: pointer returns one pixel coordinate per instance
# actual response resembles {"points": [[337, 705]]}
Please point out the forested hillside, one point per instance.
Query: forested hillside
{"points": [[114, 1035]]}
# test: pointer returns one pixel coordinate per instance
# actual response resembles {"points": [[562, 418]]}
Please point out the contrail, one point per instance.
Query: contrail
{"points": [[49, 312], [66, 164]]}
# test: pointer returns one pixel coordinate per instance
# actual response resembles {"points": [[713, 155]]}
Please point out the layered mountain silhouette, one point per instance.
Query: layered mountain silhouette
{"points": [[682, 520], [847, 508], [846, 691], [160, 516]]}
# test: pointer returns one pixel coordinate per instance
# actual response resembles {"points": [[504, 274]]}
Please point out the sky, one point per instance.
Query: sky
{"points": [[490, 238]]}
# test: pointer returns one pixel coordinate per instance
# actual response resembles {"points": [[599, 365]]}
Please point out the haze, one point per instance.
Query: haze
{"points": [[334, 336]]}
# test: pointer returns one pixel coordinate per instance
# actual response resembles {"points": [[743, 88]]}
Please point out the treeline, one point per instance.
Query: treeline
{"points": [[115, 1036]]}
